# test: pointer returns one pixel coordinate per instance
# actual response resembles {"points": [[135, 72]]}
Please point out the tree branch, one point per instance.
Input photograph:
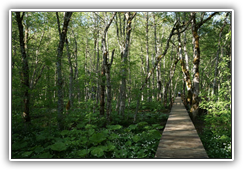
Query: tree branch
{"points": [[58, 22], [108, 25], [113, 51], [39, 76], [161, 56], [202, 22]]}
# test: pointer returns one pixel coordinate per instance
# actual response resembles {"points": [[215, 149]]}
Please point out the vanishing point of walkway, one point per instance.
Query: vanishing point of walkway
{"points": [[180, 139]]}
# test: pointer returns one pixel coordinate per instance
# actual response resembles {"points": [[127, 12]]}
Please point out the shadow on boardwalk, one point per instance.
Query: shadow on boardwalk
{"points": [[180, 139]]}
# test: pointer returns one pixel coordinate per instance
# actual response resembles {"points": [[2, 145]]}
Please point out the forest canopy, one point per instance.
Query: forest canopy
{"points": [[90, 84]]}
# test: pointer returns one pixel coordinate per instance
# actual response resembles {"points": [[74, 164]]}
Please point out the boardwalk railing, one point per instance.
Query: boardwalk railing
{"points": [[180, 139]]}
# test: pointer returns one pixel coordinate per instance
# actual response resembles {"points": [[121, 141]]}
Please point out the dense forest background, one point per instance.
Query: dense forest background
{"points": [[101, 84]]}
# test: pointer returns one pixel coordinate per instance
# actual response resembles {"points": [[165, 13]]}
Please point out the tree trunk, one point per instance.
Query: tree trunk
{"points": [[106, 72], [152, 70], [215, 90], [102, 90], [124, 54], [158, 68], [108, 84], [172, 71], [62, 36], [70, 77], [196, 61], [25, 68], [147, 59]]}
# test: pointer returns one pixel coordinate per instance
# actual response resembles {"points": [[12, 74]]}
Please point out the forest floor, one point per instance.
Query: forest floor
{"points": [[87, 135], [216, 143]]}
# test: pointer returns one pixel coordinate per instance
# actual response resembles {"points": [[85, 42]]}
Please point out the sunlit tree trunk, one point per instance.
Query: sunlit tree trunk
{"points": [[147, 59], [158, 68], [196, 61]]}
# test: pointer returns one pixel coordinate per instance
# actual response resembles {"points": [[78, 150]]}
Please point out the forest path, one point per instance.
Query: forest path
{"points": [[180, 139]]}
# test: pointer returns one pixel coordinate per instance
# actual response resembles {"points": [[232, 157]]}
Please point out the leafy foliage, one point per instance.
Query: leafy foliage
{"points": [[87, 140], [217, 134]]}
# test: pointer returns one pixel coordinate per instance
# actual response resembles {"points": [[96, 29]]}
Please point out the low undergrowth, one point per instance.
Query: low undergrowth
{"points": [[88, 136]]}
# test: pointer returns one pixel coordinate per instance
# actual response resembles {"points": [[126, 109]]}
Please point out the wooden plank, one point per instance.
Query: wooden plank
{"points": [[180, 139]]}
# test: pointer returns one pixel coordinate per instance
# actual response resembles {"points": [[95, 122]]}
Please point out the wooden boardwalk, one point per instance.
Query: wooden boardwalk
{"points": [[180, 139]]}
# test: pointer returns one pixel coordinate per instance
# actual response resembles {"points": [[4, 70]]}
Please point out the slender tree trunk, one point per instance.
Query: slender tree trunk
{"points": [[172, 71], [70, 77], [215, 90], [124, 54], [108, 84], [185, 69], [25, 68], [106, 72], [86, 71], [147, 59], [62, 36], [158, 68], [102, 92], [76, 84], [152, 70]]}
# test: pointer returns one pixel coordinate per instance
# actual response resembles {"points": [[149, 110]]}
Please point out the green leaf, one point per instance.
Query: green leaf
{"points": [[113, 136], [91, 132], [154, 134], [39, 149], [113, 127], [148, 127], [110, 147], [128, 143], [17, 146], [142, 124], [45, 155], [27, 154], [64, 132], [58, 146], [83, 140], [40, 137], [136, 138], [89, 126], [122, 153], [98, 138], [141, 153], [97, 151], [132, 127], [83, 153]]}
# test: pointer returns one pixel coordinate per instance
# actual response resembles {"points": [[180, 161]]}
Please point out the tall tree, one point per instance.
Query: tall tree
{"points": [[124, 45], [154, 66], [172, 71], [70, 102], [196, 60], [217, 57], [106, 69], [184, 64], [147, 56], [158, 68], [25, 67], [62, 36]]}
